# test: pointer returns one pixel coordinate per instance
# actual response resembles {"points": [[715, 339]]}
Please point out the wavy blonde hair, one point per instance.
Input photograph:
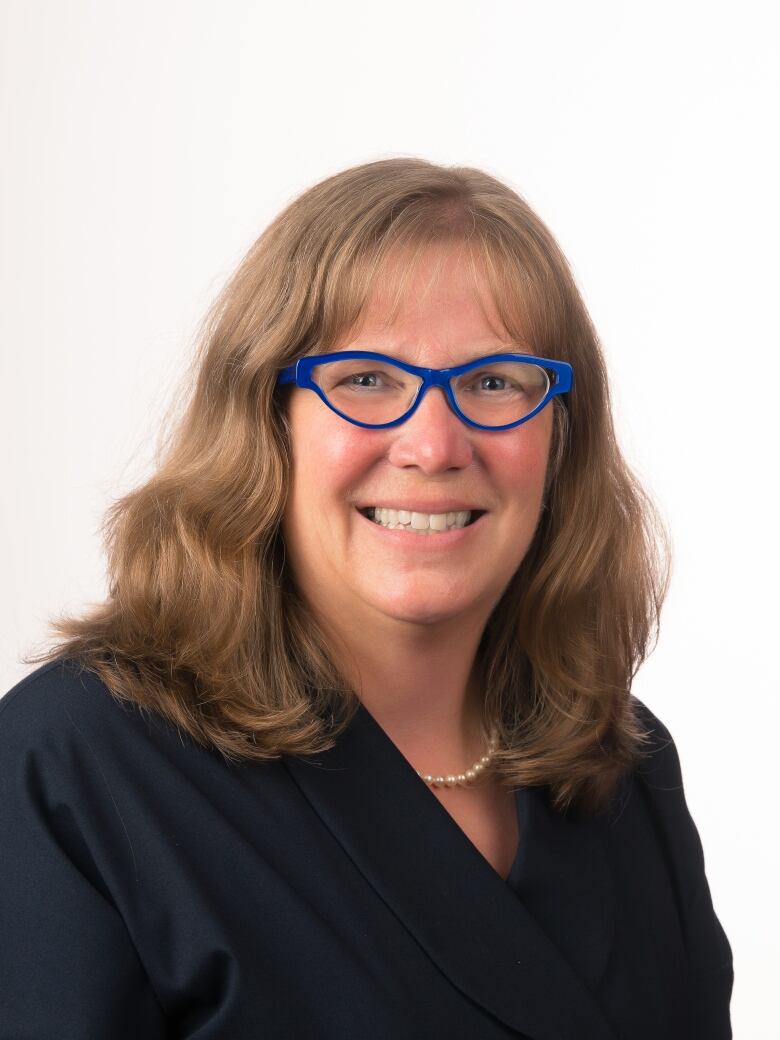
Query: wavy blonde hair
{"points": [[203, 622]]}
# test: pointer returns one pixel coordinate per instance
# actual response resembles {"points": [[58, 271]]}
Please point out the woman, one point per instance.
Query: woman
{"points": [[350, 749]]}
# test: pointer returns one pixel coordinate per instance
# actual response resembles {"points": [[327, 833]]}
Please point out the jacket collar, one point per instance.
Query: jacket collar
{"points": [[530, 954]]}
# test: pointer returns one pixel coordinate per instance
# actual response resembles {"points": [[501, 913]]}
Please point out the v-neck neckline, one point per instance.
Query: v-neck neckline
{"points": [[502, 942]]}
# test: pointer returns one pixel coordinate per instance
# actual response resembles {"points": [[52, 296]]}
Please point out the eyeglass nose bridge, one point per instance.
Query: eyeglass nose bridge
{"points": [[431, 378]]}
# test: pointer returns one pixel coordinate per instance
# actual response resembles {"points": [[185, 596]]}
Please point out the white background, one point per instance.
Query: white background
{"points": [[145, 145]]}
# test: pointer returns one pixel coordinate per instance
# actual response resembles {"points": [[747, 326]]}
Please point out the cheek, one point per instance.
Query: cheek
{"points": [[520, 463], [329, 456]]}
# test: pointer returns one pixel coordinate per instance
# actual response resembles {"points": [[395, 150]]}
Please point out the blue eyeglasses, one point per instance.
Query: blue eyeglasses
{"points": [[496, 392]]}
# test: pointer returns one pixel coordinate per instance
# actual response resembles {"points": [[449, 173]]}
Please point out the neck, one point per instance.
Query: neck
{"points": [[419, 683]]}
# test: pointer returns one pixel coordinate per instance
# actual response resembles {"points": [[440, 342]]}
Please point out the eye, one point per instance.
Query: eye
{"points": [[493, 383], [493, 380], [367, 380], [363, 379]]}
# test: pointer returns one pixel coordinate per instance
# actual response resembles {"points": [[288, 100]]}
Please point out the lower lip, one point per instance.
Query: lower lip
{"points": [[424, 542]]}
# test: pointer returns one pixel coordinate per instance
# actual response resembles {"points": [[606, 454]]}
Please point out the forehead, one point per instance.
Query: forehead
{"points": [[439, 296]]}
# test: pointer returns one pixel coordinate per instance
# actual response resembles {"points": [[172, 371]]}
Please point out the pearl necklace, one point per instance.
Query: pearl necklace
{"points": [[463, 779]]}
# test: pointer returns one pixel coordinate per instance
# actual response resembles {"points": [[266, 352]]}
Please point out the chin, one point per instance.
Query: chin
{"points": [[424, 611]]}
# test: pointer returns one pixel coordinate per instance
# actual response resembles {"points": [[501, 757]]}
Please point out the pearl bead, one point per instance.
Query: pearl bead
{"points": [[463, 779]]}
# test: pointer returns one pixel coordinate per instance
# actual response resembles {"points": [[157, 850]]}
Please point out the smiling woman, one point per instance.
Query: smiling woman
{"points": [[350, 748]]}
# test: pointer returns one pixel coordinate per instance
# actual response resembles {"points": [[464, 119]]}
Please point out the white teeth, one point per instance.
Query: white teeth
{"points": [[420, 523]]}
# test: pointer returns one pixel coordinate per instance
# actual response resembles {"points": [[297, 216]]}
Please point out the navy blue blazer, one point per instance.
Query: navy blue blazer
{"points": [[149, 889]]}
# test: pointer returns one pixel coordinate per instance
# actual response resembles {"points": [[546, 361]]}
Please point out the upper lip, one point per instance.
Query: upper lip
{"points": [[442, 505]]}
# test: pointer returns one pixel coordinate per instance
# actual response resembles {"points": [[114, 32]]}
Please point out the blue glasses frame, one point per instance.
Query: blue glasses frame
{"points": [[299, 373]]}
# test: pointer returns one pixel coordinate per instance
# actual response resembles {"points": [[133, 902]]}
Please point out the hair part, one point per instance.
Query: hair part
{"points": [[203, 622]]}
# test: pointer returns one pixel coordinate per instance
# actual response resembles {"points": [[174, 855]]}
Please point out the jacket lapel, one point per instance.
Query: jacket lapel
{"points": [[529, 959]]}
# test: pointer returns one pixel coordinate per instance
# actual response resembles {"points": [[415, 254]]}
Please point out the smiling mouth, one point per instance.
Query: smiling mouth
{"points": [[369, 514]]}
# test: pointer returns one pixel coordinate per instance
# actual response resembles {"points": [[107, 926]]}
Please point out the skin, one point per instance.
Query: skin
{"points": [[404, 624]]}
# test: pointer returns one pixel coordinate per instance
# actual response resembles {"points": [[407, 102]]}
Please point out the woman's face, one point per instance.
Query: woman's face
{"points": [[353, 571]]}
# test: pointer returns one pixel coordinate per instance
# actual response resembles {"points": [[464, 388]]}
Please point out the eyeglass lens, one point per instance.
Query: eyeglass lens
{"points": [[493, 394]]}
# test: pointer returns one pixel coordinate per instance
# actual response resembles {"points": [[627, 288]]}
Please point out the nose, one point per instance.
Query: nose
{"points": [[434, 438]]}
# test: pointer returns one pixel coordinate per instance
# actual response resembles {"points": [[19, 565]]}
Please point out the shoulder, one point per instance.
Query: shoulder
{"points": [[64, 726], [659, 767], [71, 855], [60, 701], [89, 774], [658, 781], [657, 797], [44, 697], [655, 728]]}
